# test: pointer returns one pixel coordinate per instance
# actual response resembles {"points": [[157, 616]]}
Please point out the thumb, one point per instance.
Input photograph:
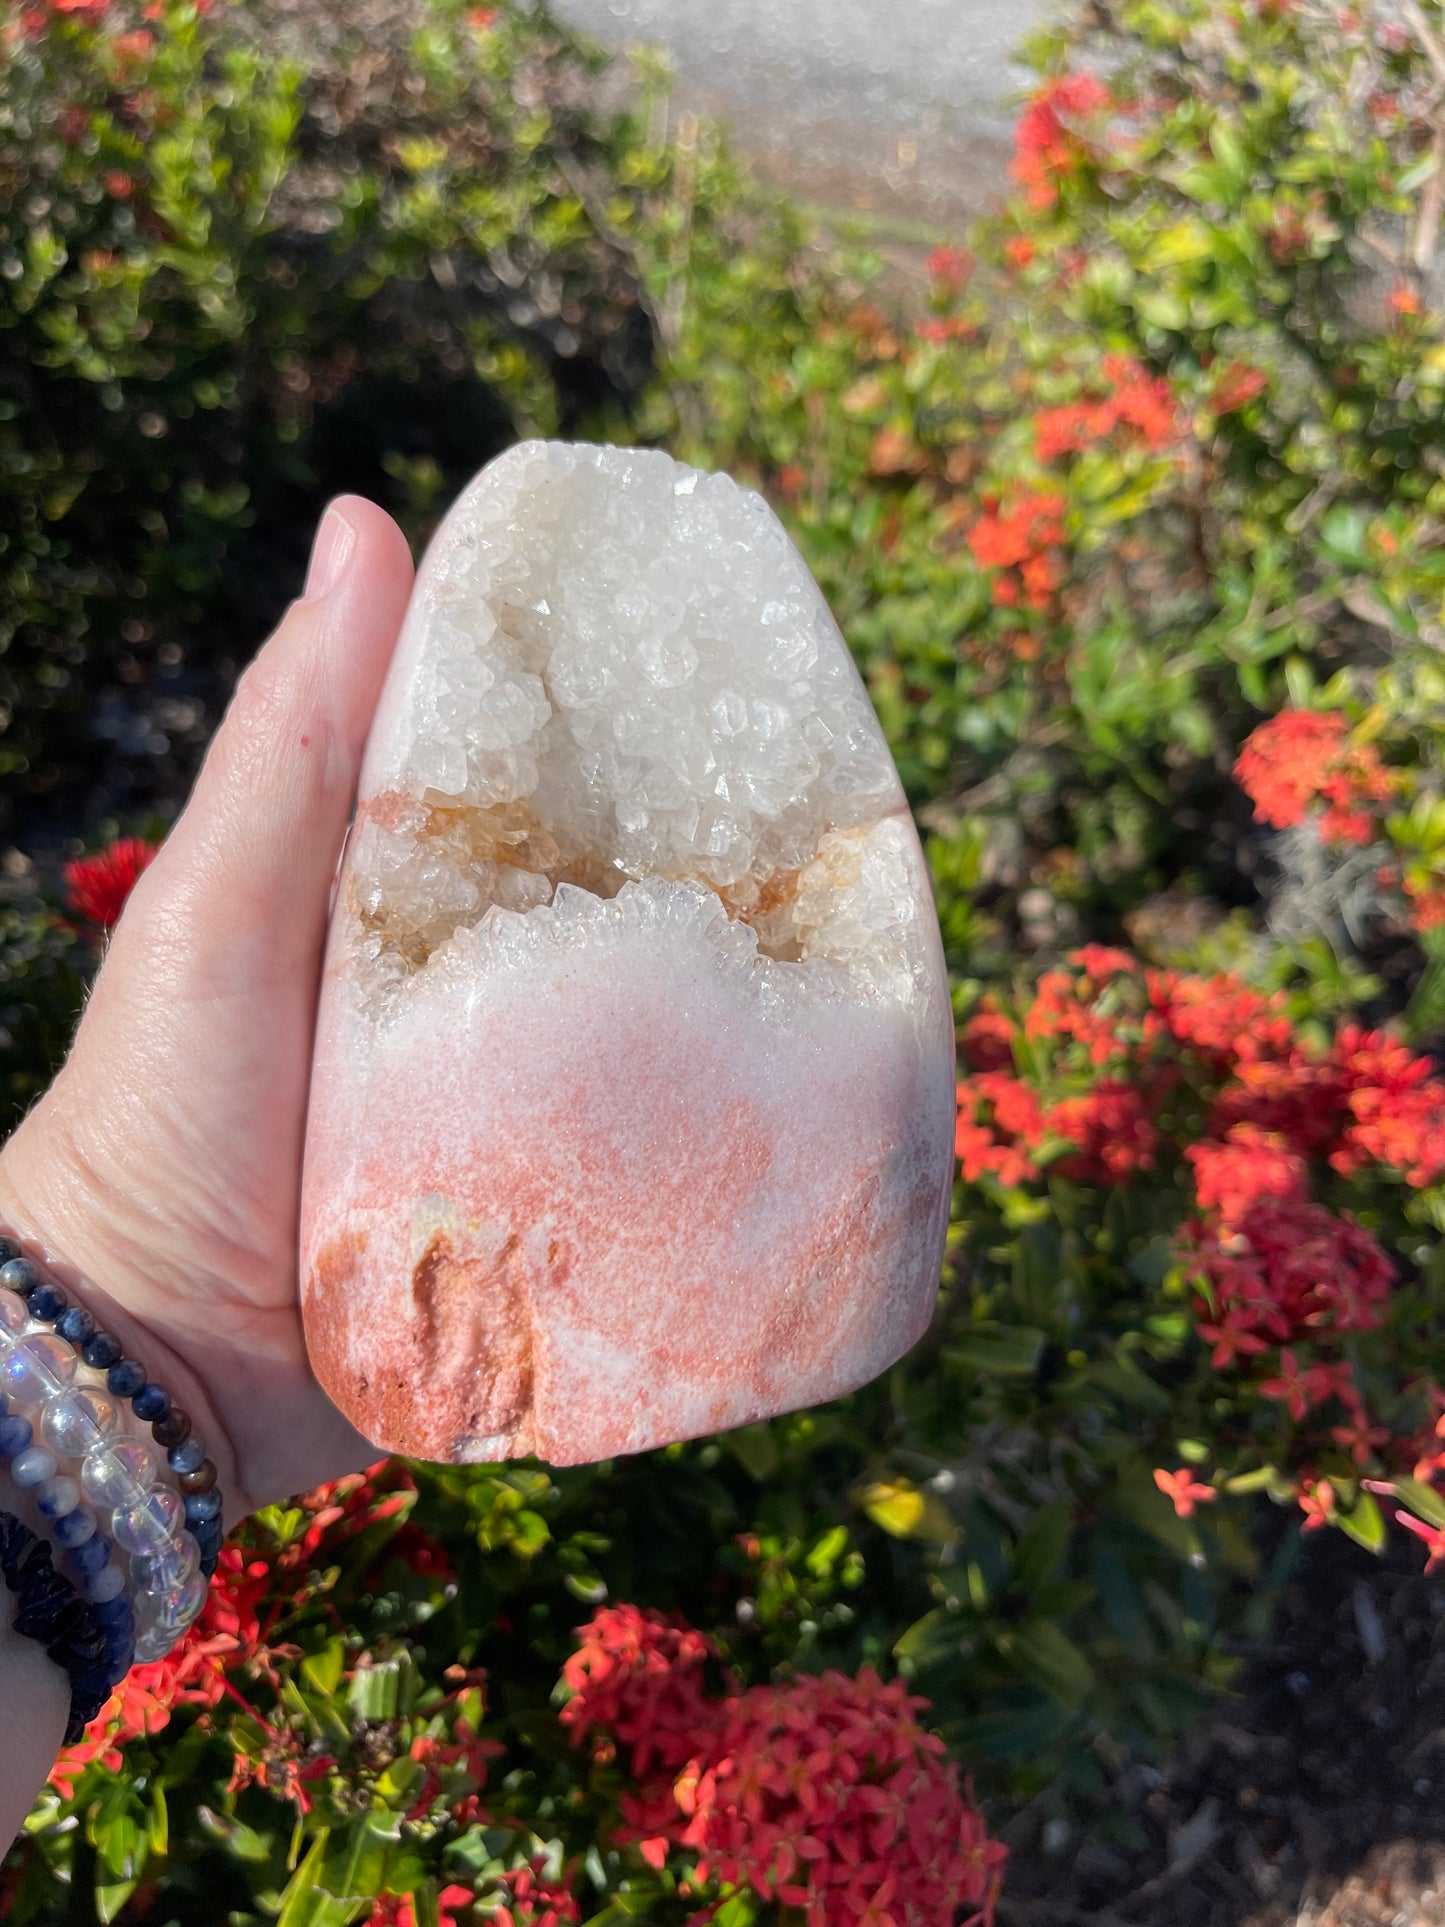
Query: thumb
{"points": [[247, 870]]}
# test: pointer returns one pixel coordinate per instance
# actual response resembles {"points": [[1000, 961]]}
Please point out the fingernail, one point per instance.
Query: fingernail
{"points": [[330, 553]]}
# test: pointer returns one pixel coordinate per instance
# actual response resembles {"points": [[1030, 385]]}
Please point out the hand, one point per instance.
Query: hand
{"points": [[161, 1172]]}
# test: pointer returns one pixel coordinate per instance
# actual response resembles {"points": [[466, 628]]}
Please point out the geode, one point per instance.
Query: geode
{"points": [[632, 1102]]}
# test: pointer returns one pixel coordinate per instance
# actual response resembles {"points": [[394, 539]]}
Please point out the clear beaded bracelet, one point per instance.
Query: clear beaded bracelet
{"points": [[92, 1408]]}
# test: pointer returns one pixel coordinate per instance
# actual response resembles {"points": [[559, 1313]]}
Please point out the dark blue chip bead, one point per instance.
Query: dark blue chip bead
{"points": [[207, 1535], [201, 1506], [19, 1274], [151, 1402], [126, 1379], [102, 1351], [209, 1562], [76, 1324], [45, 1300], [188, 1456], [16, 1435], [91, 1556]]}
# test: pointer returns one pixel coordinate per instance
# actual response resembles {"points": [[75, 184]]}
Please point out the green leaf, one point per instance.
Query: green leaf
{"points": [[1423, 1500], [1048, 1659], [1043, 1545], [1007, 1351], [1365, 1523]]}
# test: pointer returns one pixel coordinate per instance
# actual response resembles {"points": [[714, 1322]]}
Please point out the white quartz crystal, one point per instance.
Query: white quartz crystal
{"points": [[631, 1108]]}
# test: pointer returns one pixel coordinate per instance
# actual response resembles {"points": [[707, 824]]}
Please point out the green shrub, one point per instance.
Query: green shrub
{"points": [[1148, 474], [250, 256]]}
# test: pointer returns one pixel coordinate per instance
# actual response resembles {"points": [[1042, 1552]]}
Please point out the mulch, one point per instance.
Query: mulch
{"points": [[1314, 1798]]}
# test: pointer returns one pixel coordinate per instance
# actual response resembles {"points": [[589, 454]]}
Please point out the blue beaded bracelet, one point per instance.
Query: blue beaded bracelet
{"points": [[126, 1378], [48, 1608]]}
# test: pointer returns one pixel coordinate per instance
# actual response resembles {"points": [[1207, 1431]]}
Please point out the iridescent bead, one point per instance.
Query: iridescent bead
{"points": [[37, 1367], [152, 1643], [180, 1606], [13, 1313], [169, 1569], [74, 1528], [153, 1523], [58, 1496], [34, 1466], [108, 1583], [75, 1422], [118, 1475]]}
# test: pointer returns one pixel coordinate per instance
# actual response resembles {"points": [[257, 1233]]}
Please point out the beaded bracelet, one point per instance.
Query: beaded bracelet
{"points": [[48, 1608], [126, 1378], [70, 1382]]}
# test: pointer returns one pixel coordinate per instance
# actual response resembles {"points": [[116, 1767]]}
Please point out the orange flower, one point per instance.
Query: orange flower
{"points": [[1183, 1489]]}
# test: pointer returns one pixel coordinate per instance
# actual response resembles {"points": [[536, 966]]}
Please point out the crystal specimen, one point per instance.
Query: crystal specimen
{"points": [[631, 1110]]}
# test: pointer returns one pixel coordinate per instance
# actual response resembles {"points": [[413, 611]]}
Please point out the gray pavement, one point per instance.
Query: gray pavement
{"points": [[895, 106]]}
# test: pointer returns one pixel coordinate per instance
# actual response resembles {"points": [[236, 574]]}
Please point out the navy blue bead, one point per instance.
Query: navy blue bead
{"points": [[91, 1556], [45, 1300], [188, 1456], [76, 1324], [201, 1506], [209, 1562], [102, 1351], [8, 1250], [74, 1528], [151, 1402], [16, 1434], [19, 1274], [207, 1535], [126, 1379], [116, 1612]]}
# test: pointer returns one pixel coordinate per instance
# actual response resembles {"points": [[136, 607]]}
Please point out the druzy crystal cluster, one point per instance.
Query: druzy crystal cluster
{"points": [[632, 1103]]}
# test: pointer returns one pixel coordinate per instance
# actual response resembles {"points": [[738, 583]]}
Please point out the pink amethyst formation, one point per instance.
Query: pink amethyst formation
{"points": [[632, 1106]]}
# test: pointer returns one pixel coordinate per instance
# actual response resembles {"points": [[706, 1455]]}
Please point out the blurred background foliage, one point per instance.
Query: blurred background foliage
{"points": [[1153, 459]]}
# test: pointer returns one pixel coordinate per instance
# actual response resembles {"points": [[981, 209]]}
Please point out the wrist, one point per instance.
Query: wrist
{"points": [[70, 1235]]}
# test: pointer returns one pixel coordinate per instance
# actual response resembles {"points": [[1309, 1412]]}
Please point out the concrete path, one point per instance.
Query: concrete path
{"points": [[896, 106]]}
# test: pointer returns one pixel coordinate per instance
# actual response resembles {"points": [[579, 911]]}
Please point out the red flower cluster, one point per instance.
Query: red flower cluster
{"points": [[1302, 757], [825, 1794], [534, 1899], [1284, 1269], [1023, 536], [233, 1633], [397, 1910], [96, 887], [1045, 146], [1137, 406]]}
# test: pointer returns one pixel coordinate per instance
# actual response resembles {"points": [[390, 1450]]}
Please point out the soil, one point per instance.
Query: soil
{"points": [[1315, 1798]]}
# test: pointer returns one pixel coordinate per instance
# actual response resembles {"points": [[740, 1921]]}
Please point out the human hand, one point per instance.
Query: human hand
{"points": [[161, 1172]]}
